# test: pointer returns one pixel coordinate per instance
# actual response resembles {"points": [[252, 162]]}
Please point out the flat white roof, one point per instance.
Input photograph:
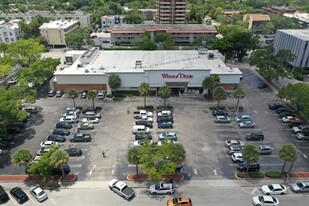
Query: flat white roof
{"points": [[298, 33], [58, 24], [125, 61]]}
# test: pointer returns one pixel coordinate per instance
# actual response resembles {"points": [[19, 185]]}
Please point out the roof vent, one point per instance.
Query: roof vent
{"points": [[86, 71]]}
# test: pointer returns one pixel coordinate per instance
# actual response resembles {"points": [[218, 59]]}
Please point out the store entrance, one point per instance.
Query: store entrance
{"points": [[177, 88]]}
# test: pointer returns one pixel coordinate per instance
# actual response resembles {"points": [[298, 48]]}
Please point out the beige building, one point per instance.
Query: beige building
{"points": [[255, 21], [171, 11], [83, 18], [56, 31]]}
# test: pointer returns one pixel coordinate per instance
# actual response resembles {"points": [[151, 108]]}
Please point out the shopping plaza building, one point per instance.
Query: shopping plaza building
{"points": [[181, 70]]}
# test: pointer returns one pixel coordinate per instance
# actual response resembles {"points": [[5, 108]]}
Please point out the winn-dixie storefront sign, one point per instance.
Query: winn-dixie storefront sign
{"points": [[177, 76]]}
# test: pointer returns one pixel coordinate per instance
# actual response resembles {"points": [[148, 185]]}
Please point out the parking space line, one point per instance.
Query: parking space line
{"points": [[52, 200]]}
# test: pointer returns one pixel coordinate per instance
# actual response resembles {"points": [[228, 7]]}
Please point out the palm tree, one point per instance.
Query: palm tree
{"points": [[288, 153], [92, 95], [239, 93], [73, 95], [178, 153], [219, 94], [250, 154], [144, 90], [58, 159], [133, 157], [210, 83], [22, 157], [165, 92]]}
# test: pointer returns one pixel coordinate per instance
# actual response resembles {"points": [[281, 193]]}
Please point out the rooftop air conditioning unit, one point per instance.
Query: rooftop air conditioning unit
{"points": [[86, 71]]}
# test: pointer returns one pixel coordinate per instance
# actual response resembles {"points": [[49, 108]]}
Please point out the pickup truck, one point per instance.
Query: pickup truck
{"points": [[300, 128], [121, 189], [142, 113]]}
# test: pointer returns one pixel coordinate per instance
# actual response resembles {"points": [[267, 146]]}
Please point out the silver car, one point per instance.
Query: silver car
{"points": [[38, 193], [300, 186], [161, 188]]}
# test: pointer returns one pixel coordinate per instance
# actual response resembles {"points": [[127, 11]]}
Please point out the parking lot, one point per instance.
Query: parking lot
{"points": [[202, 138]]}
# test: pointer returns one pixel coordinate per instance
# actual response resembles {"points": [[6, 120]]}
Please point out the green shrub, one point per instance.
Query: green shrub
{"points": [[140, 107], [299, 76], [256, 174], [273, 174], [109, 95], [149, 107], [240, 174]]}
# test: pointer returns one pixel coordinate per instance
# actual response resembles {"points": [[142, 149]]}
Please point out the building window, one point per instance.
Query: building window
{"points": [[11, 34]]}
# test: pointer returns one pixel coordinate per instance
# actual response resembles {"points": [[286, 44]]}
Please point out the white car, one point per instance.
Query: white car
{"points": [[247, 124], [237, 157], [274, 189], [147, 118], [121, 189], [48, 143], [38, 193], [163, 141], [92, 120], [265, 200], [222, 119], [231, 142], [69, 119], [142, 142], [287, 119]]}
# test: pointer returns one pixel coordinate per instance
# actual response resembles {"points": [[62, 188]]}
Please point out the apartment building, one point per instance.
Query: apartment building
{"points": [[80, 16], [171, 11], [303, 19], [255, 21], [297, 41], [56, 31], [10, 32], [180, 33], [110, 20]]}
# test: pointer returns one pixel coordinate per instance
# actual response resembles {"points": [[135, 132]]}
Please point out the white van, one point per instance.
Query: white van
{"points": [[140, 129]]}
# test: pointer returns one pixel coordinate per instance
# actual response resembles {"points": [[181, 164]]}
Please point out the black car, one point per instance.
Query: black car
{"points": [[58, 171], [284, 114], [3, 196], [61, 131], [64, 125], [262, 85], [80, 137], [283, 109], [219, 112], [144, 122], [250, 167], [275, 106], [255, 136], [84, 94], [139, 136], [165, 119], [73, 151], [19, 195], [56, 138]]}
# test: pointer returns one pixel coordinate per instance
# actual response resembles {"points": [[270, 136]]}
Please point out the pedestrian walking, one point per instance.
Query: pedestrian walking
{"points": [[103, 153]]}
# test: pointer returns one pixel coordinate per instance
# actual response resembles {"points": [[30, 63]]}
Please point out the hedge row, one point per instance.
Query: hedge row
{"points": [[270, 174]]}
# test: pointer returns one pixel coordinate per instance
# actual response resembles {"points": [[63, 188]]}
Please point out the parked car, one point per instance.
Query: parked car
{"points": [[275, 106], [265, 150], [31, 108], [222, 119], [12, 81], [3, 196], [219, 112], [139, 136], [295, 123], [161, 188], [58, 171], [283, 109], [302, 136], [73, 109], [144, 122], [164, 141], [247, 124], [284, 114], [165, 113], [142, 142], [93, 114], [237, 157], [38, 193], [264, 200], [287, 119], [88, 109], [168, 135], [73, 151], [250, 167], [19, 195], [274, 189], [176, 201], [165, 119], [300, 186], [101, 94], [254, 136], [231, 142], [300, 128], [59, 93], [71, 113], [69, 119], [234, 149], [80, 137], [61, 131], [242, 118], [56, 138], [165, 125], [64, 125], [48, 143], [121, 189], [51, 93], [85, 126], [84, 94], [262, 85]]}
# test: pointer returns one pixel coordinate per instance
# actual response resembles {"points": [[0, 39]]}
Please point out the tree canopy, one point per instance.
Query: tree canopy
{"points": [[78, 38], [114, 82]]}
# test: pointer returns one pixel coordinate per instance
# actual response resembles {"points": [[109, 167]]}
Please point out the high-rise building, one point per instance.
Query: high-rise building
{"points": [[171, 11]]}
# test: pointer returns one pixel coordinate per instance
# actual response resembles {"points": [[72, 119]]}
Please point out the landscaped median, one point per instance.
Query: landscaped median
{"points": [[16, 178], [143, 177], [270, 174]]}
